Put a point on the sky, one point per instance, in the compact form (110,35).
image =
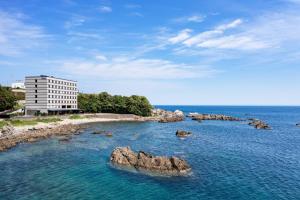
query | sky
(174,52)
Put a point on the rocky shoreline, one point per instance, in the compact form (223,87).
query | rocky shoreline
(145,162)
(11,140)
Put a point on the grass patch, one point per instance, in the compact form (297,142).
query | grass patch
(18,122)
(2,124)
(24,122)
(76,117)
(48,120)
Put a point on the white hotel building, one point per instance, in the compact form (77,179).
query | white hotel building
(50,95)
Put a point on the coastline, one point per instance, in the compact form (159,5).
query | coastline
(65,127)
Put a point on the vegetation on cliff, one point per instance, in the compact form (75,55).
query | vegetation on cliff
(106,103)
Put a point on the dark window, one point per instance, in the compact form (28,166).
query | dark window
(35,96)
(35,86)
(35,91)
(36,80)
(35,101)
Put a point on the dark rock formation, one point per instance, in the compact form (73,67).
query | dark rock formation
(298,124)
(200,117)
(258,124)
(145,162)
(168,116)
(180,133)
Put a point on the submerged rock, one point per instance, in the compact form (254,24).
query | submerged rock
(200,117)
(109,134)
(180,133)
(96,132)
(258,124)
(145,162)
(298,124)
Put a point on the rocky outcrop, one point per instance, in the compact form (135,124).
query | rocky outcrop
(164,116)
(7,131)
(200,117)
(258,124)
(180,133)
(298,124)
(145,162)
(35,134)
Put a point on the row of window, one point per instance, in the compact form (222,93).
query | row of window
(61,87)
(62,107)
(58,101)
(61,92)
(61,82)
(62,97)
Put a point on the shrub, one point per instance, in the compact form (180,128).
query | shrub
(7,99)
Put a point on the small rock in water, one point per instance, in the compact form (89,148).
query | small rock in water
(96,132)
(258,124)
(145,162)
(298,124)
(200,117)
(180,133)
(109,134)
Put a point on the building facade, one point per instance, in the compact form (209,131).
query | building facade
(47,94)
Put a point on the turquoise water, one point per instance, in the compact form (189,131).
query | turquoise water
(230,160)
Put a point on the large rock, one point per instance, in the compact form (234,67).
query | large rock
(200,117)
(164,116)
(145,162)
(258,124)
(298,124)
(180,133)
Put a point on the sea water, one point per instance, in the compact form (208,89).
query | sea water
(229,160)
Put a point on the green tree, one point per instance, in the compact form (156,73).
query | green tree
(7,99)
(106,103)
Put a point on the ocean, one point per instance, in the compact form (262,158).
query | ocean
(229,160)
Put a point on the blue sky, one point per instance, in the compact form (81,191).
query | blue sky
(188,52)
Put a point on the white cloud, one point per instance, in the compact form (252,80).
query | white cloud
(75,20)
(217,38)
(16,36)
(230,25)
(136,14)
(101,57)
(191,18)
(233,42)
(123,68)
(105,9)
(183,35)
(196,18)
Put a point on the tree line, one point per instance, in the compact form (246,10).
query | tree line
(106,103)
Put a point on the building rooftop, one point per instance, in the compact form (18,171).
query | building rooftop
(45,76)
